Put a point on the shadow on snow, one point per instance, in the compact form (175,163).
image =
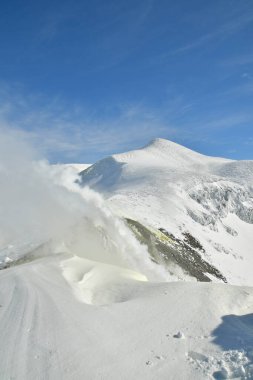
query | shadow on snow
(235,336)
(235,332)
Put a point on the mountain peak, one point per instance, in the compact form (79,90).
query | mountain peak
(160,140)
(172,149)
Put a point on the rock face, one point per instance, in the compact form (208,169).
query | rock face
(221,198)
(182,258)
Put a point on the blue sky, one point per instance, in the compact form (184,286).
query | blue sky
(84,79)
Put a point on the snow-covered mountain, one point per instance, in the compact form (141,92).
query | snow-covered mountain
(81,298)
(167,187)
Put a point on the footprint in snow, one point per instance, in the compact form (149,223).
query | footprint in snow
(197,356)
(157,357)
(179,335)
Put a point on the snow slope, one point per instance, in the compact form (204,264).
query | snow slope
(165,185)
(142,332)
(81,298)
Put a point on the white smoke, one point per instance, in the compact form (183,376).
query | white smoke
(38,206)
(32,209)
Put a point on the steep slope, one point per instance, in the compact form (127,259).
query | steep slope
(167,186)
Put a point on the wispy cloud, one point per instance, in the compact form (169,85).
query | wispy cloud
(241,90)
(108,30)
(236,20)
(73,134)
(55,20)
(240,60)
(229,121)
(65,133)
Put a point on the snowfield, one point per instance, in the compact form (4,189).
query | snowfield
(90,267)
(47,333)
